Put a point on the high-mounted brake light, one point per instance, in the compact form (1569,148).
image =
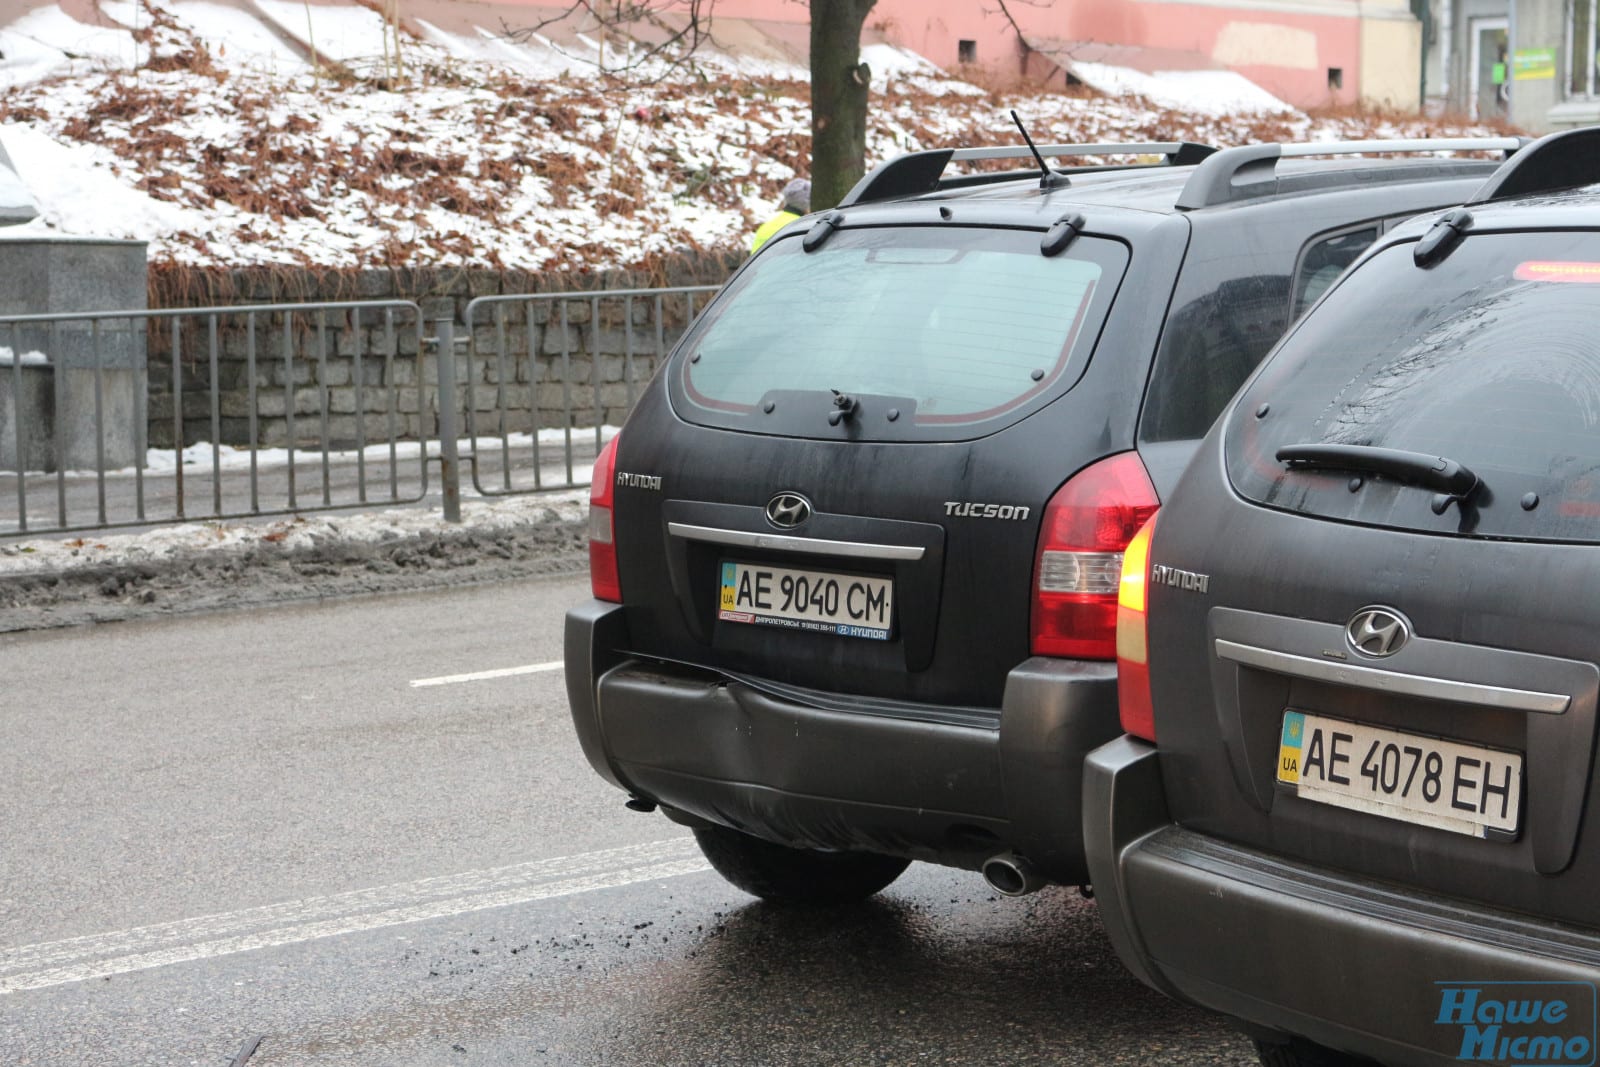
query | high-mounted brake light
(1087,525)
(603,580)
(1133,646)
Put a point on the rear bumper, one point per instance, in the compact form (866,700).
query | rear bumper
(1349,963)
(870,777)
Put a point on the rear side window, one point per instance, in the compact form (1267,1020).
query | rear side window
(1490,358)
(956,331)
(1324,261)
(1210,344)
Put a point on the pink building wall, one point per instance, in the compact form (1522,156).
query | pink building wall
(1236,37)
(934,27)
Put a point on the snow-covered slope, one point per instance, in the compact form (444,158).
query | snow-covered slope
(201,128)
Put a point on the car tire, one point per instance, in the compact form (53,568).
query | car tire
(1301,1053)
(795,875)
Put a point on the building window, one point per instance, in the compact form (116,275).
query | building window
(967,51)
(1335,79)
(1580,48)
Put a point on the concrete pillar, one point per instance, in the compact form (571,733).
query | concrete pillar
(27,412)
(52,274)
(1538,64)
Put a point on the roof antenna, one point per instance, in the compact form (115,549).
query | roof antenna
(1048,179)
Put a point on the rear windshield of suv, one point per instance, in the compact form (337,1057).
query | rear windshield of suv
(1490,358)
(955,330)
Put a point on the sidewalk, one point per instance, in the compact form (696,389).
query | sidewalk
(65,579)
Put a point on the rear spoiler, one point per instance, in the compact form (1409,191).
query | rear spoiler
(916,173)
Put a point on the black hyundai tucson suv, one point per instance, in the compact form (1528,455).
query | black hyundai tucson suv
(855,552)
(1359,650)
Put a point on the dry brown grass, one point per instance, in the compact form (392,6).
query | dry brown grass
(616,157)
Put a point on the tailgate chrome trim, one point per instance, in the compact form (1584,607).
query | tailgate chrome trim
(816,546)
(1412,685)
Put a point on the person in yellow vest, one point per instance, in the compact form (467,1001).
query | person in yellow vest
(796,202)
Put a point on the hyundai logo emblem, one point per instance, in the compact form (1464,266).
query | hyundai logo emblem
(1377,632)
(788,510)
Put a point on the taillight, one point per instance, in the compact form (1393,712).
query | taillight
(1133,647)
(603,580)
(1087,525)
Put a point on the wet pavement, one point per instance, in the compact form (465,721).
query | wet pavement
(249,837)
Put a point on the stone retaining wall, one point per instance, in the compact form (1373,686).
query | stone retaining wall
(351,377)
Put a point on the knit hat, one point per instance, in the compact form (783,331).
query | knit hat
(797,197)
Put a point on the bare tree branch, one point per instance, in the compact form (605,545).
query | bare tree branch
(1005,11)
(618,20)
(1022,41)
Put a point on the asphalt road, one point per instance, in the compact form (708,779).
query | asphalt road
(249,837)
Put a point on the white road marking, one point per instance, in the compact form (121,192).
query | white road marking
(77,959)
(477,676)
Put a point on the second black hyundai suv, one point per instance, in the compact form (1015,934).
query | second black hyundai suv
(855,553)
(1356,808)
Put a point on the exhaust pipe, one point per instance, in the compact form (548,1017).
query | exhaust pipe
(1011,875)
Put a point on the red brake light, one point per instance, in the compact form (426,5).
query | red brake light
(1133,650)
(603,580)
(1087,524)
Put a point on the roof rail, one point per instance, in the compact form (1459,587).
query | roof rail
(1556,161)
(1214,181)
(920,172)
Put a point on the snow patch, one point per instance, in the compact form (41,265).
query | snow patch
(1209,92)
(189,540)
(48,41)
(78,191)
(240,40)
(8,358)
(339,32)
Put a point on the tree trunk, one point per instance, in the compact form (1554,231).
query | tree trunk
(839,83)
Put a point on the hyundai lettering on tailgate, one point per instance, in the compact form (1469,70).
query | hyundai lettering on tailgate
(1467,789)
(843,604)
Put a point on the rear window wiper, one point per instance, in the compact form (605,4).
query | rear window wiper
(1446,477)
(844,406)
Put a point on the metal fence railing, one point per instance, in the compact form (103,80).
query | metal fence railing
(543,368)
(134,417)
(137,418)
